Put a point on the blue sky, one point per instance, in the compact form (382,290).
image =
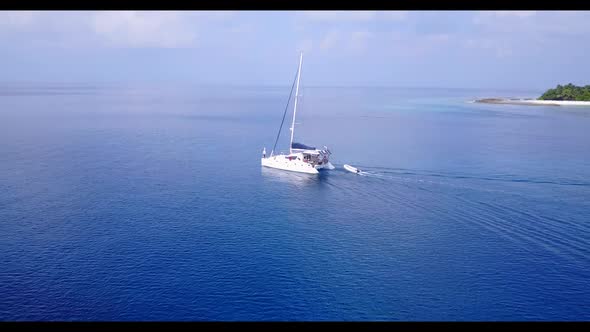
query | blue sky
(490,49)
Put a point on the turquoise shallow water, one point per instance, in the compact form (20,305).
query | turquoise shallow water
(149,203)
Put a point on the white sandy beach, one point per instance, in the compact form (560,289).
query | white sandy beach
(558,102)
(533,102)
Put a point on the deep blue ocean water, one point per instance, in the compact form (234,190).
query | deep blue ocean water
(149,203)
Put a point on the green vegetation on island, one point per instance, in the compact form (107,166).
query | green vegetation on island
(567,92)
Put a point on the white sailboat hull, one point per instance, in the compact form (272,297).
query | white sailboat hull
(281,162)
(294,165)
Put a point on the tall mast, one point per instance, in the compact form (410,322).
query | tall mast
(295,107)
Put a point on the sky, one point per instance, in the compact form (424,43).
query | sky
(459,49)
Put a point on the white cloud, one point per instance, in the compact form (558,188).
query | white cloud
(353,16)
(359,40)
(514,13)
(17,18)
(498,19)
(305,46)
(46,28)
(439,37)
(396,15)
(334,16)
(564,23)
(353,31)
(219,30)
(417,44)
(345,41)
(500,48)
(216,15)
(529,32)
(330,40)
(143,29)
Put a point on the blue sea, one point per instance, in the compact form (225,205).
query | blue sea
(148,203)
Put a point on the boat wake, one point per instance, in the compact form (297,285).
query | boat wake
(447,178)
(485,203)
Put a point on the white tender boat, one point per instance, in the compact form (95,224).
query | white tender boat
(301,158)
(352,169)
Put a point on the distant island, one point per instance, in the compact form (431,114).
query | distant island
(562,95)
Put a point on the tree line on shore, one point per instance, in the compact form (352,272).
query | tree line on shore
(567,92)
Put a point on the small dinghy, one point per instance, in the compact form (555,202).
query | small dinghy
(352,169)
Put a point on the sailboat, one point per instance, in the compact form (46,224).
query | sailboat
(301,158)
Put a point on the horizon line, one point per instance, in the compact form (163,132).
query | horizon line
(98,83)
